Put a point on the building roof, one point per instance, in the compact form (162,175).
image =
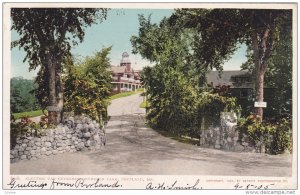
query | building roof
(118,69)
(224,77)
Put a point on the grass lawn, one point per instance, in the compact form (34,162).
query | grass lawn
(29,114)
(140,90)
(144,103)
(180,138)
(123,94)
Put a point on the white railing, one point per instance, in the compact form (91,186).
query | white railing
(131,80)
(124,79)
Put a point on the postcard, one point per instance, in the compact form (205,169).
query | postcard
(150,96)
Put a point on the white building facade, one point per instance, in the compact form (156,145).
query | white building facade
(124,77)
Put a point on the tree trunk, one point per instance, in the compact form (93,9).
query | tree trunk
(60,100)
(262,45)
(52,115)
(259,78)
(59,91)
(259,96)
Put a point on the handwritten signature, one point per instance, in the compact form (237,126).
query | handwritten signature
(78,184)
(173,186)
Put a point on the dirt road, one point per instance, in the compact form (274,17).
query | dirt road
(133,148)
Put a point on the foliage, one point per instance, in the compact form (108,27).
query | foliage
(177,101)
(29,114)
(46,35)
(220,31)
(22,98)
(172,101)
(167,45)
(177,106)
(209,107)
(193,41)
(222,90)
(168,84)
(25,127)
(156,42)
(279,70)
(145,104)
(51,27)
(276,137)
(214,104)
(87,86)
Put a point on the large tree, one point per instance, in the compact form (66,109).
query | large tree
(46,35)
(165,44)
(169,91)
(279,74)
(220,31)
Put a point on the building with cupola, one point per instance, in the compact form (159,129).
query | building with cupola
(125,78)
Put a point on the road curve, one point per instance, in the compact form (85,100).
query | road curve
(134,149)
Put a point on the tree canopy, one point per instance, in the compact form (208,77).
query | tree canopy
(195,41)
(46,35)
(279,74)
(221,30)
(168,46)
(43,29)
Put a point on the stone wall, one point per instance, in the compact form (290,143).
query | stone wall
(226,136)
(74,134)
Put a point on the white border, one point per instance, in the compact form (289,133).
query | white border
(291,182)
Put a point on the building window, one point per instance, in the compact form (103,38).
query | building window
(234,79)
(244,93)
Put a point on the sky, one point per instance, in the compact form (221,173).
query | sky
(115,31)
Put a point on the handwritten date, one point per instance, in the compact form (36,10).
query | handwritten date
(252,186)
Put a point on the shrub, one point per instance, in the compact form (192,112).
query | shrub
(87,86)
(276,137)
(25,127)
(172,103)
(213,104)
(175,105)
(283,136)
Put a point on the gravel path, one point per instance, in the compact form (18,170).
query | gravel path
(133,148)
(36,119)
